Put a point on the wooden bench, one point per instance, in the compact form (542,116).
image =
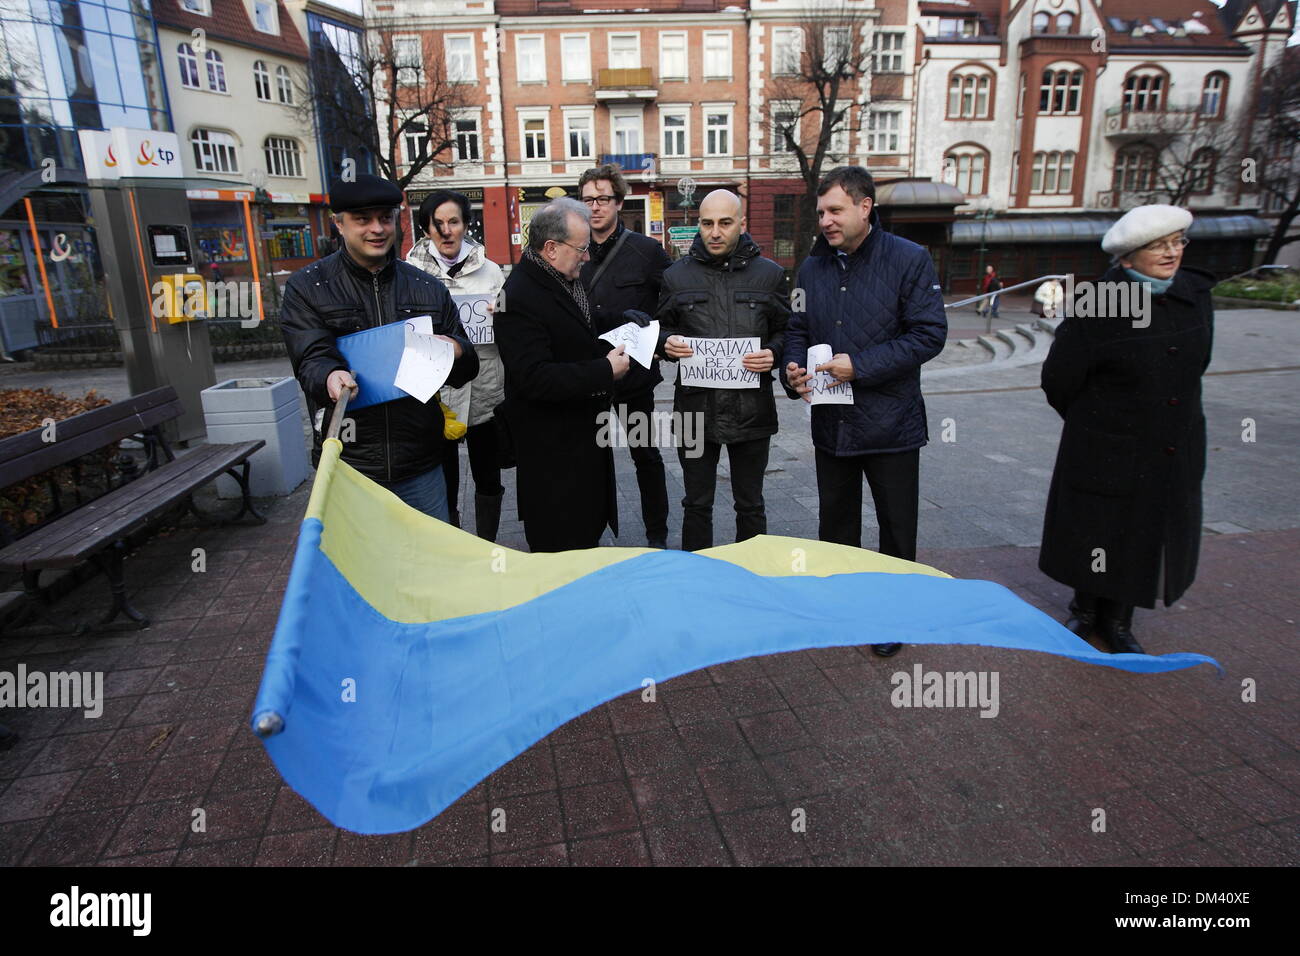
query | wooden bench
(97,530)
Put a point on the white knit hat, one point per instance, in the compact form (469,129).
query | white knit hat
(1144,224)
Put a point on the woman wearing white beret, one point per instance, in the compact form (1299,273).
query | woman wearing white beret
(1123,521)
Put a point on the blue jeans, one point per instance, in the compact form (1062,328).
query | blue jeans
(426,492)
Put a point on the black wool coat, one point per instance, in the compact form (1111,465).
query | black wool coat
(1132,454)
(631,280)
(558,382)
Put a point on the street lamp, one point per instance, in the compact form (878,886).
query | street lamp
(984,212)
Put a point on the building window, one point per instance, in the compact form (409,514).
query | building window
(216,71)
(837,53)
(717,56)
(968,94)
(283,157)
(459,51)
(1064,22)
(1020,97)
(261,81)
(626,132)
(1135,169)
(202,7)
(415,142)
(887,52)
(1052,173)
(1202,170)
(882,130)
(783,211)
(284,85)
(1061,92)
(265,17)
(406,57)
(672,56)
(530,54)
(785,116)
(1041,22)
(1015,175)
(958,27)
(717,133)
(465,129)
(534,138)
(674,134)
(837,150)
(967,169)
(214,152)
(625,51)
(1213,95)
(577,134)
(189,66)
(1144,92)
(575,57)
(787,50)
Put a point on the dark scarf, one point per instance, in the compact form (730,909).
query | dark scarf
(574,288)
(599,250)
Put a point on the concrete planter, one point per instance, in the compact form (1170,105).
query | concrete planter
(246,409)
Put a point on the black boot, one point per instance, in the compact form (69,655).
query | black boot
(487,515)
(1083,615)
(1115,622)
(886,650)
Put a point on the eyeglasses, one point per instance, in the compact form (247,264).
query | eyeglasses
(1171,245)
(598,200)
(582,250)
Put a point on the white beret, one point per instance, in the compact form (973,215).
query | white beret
(1141,225)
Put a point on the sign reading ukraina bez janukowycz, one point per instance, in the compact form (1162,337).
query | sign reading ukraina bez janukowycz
(718,363)
(476,317)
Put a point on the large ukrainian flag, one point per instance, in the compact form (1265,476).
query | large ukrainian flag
(412,659)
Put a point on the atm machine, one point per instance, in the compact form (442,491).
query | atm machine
(150,256)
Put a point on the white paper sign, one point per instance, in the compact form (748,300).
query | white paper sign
(717,363)
(426,360)
(825,389)
(638,343)
(476,317)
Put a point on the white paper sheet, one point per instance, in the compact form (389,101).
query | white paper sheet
(825,390)
(476,317)
(638,343)
(718,363)
(426,360)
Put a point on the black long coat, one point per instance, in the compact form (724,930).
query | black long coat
(558,381)
(1132,453)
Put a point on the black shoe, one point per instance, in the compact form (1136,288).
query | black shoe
(487,515)
(886,650)
(1115,623)
(1083,615)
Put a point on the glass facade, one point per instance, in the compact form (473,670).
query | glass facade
(342,103)
(92,64)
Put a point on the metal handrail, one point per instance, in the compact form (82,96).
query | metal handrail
(1011,288)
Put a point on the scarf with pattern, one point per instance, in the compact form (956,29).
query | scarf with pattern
(574,288)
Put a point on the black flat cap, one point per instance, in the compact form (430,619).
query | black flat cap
(365,192)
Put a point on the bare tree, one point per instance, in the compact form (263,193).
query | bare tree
(1270,145)
(812,106)
(1187,155)
(390,99)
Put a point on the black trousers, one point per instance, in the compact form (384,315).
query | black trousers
(481,441)
(700,476)
(649,467)
(894,479)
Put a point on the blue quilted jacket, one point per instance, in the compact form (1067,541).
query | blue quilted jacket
(883,307)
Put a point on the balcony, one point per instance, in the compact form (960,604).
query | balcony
(1058,44)
(626,86)
(1123,124)
(631,162)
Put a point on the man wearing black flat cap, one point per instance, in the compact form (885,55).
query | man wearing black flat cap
(362,286)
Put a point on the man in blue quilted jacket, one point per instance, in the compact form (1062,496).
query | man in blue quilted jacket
(874,298)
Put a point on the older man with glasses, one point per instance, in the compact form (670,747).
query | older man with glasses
(559,378)
(1123,522)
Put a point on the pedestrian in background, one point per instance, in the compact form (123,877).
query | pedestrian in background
(624,274)
(990,283)
(464,268)
(1123,522)
(1049,298)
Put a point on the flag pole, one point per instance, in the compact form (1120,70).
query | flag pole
(336,420)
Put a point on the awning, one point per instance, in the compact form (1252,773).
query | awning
(1055,229)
